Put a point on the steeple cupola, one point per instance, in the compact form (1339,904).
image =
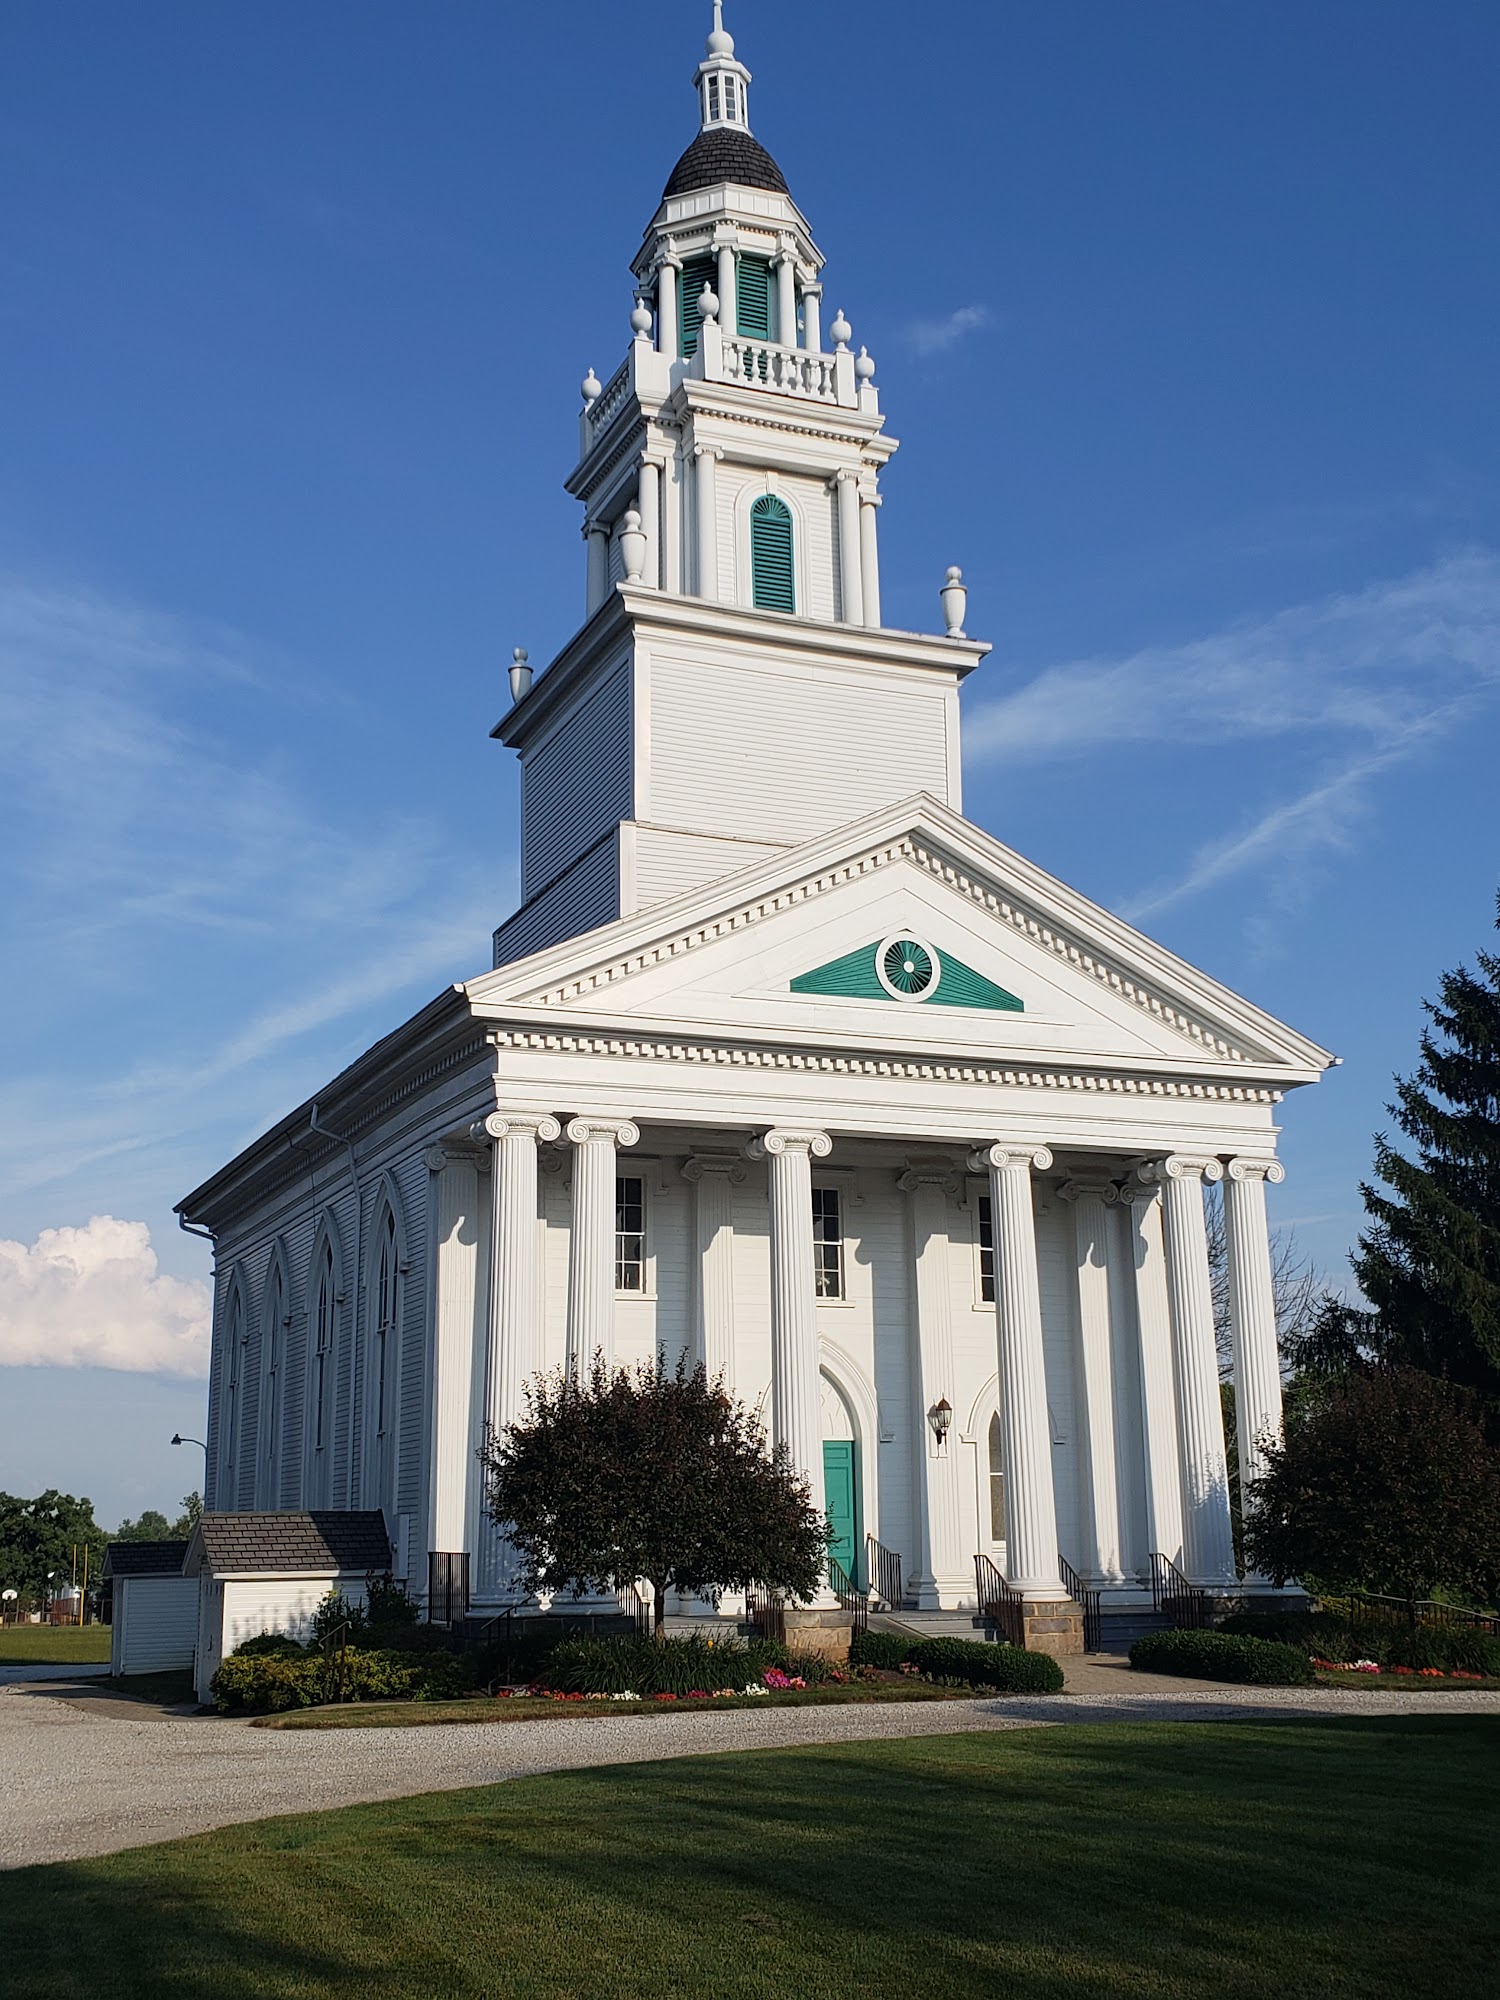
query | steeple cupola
(723,83)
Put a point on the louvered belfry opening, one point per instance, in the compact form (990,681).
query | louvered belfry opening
(696,273)
(753,307)
(773,584)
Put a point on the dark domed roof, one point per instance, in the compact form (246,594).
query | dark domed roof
(724,154)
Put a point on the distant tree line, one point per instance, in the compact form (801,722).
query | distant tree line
(42,1540)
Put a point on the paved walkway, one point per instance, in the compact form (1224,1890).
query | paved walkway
(86,1772)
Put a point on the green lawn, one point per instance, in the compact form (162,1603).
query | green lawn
(536,1708)
(1349,1858)
(59,1645)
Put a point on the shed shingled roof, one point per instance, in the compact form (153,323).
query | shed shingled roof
(320,1541)
(144,1558)
(724,154)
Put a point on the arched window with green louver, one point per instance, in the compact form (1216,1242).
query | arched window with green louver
(696,273)
(773,584)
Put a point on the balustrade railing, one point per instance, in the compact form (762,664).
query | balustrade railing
(1187,1607)
(851,1598)
(886,1581)
(789,371)
(1086,1597)
(1000,1605)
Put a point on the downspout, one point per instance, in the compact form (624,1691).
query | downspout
(356,1429)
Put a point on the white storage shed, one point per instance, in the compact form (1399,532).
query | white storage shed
(154,1624)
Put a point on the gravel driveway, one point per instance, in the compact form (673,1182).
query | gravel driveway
(87,1773)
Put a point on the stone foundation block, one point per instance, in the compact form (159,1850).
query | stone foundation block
(1053,1625)
(825,1632)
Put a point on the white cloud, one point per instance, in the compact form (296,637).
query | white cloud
(936,336)
(95,1298)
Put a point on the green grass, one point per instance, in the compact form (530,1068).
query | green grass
(1352,1859)
(526,1708)
(53,1645)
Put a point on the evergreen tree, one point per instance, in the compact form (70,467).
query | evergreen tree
(1430,1263)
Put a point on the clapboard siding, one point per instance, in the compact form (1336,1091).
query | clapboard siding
(806,761)
(577,783)
(667,863)
(586,896)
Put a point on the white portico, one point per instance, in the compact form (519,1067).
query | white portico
(781,1064)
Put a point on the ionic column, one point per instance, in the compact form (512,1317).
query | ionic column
(650,510)
(1153,1315)
(456,1193)
(796,1401)
(729,299)
(705,459)
(941,1575)
(596,535)
(515,1316)
(851,585)
(668,335)
(1091,1199)
(714,1178)
(591,1244)
(1208,1539)
(1252,1312)
(786,299)
(812,318)
(869,556)
(1030,1510)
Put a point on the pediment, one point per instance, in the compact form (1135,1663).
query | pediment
(792,949)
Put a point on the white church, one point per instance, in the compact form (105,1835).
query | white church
(782,1063)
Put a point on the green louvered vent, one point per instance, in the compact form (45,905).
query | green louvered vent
(696,273)
(773,584)
(754,305)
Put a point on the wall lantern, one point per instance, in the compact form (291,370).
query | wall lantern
(940,1416)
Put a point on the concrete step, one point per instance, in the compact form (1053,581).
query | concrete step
(1118,1629)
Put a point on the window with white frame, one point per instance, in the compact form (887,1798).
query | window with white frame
(986,1250)
(630,1233)
(234,1359)
(387,1324)
(272,1337)
(828,1242)
(325,1326)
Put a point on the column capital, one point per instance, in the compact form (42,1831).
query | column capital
(435,1159)
(707,1166)
(1179,1167)
(713,451)
(847,475)
(1256,1170)
(589,1131)
(1001,1159)
(513,1125)
(940,1174)
(788,1139)
(1087,1187)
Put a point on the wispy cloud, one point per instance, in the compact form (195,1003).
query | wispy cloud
(936,336)
(1368,680)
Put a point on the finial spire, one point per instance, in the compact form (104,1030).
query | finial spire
(723,80)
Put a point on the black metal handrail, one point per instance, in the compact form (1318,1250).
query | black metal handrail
(999,1604)
(850,1597)
(1086,1597)
(765,1612)
(645,1613)
(886,1582)
(335,1646)
(1380,1607)
(1188,1607)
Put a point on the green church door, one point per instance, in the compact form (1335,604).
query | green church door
(841,1497)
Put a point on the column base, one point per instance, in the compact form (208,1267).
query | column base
(811,1630)
(1052,1625)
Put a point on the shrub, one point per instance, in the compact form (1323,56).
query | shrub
(1445,1646)
(388,1603)
(267,1644)
(980,1664)
(1223,1656)
(879,1649)
(1325,1635)
(648,1666)
(336,1610)
(266,1683)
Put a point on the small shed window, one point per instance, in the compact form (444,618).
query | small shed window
(696,273)
(773,585)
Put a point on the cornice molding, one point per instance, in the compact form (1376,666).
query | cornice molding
(741,1055)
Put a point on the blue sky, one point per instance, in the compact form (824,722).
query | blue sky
(1185,316)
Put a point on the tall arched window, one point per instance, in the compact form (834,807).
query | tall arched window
(273,1356)
(773,584)
(321,1377)
(997,1481)
(226,1493)
(385,1350)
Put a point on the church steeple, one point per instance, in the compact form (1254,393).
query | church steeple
(723,83)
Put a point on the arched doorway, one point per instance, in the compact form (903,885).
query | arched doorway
(841,1481)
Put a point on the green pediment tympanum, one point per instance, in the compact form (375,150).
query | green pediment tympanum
(906,968)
